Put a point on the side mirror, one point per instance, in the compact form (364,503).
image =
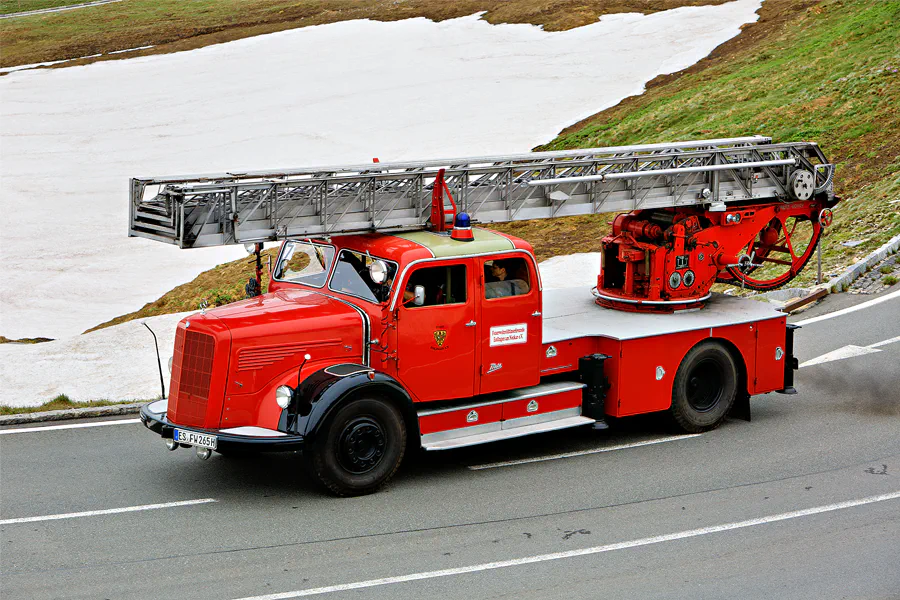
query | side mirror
(419,292)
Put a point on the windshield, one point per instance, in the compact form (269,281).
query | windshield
(352,276)
(304,262)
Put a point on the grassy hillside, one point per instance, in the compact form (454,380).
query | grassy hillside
(827,72)
(173,25)
(220,285)
(824,71)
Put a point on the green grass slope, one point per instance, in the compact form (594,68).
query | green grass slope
(828,72)
(823,71)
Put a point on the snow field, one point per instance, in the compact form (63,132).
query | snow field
(72,137)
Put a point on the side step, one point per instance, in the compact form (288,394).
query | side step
(536,409)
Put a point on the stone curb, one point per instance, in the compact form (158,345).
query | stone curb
(851,274)
(842,281)
(71,413)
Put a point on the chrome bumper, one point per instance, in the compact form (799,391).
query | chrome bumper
(258,439)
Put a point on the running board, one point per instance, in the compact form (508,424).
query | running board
(492,432)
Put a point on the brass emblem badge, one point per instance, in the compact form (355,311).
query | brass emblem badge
(439,337)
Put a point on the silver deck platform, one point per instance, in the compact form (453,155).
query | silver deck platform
(572,313)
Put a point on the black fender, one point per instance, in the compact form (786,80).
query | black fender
(317,397)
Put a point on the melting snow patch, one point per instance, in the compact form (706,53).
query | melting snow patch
(338,93)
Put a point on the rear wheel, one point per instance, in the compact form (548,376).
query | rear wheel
(704,388)
(360,449)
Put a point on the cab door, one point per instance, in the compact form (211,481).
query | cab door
(436,344)
(510,323)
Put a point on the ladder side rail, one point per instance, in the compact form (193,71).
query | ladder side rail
(200,185)
(528,156)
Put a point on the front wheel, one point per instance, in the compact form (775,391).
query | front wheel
(704,388)
(360,449)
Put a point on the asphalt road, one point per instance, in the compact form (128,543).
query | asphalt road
(802,502)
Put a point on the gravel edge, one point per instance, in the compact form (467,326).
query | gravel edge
(72,413)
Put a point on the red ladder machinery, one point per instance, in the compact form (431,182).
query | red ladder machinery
(744,211)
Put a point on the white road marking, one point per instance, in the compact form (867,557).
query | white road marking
(850,309)
(840,354)
(70,426)
(848,351)
(107,511)
(525,461)
(527,560)
(885,342)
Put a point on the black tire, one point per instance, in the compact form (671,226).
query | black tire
(705,387)
(360,448)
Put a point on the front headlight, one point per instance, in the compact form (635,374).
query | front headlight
(170,364)
(283,396)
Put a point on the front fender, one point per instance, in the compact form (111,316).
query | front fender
(319,395)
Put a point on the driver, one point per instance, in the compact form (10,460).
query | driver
(500,285)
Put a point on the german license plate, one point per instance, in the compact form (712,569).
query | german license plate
(192,438)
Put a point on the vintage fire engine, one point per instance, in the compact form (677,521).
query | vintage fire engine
(392,323)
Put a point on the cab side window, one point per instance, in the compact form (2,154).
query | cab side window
(443,285)
(351,276)
(504,277)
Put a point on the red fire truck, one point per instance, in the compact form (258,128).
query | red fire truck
(392,323)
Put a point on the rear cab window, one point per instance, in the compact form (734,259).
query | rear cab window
(506,277)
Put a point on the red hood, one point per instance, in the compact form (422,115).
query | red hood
(271,333)
(284,307)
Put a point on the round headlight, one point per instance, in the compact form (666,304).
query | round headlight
(378,271)
(170,364)
(283,396)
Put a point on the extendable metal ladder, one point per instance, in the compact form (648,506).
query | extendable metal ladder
(234,208)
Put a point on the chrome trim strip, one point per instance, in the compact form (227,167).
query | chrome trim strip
(252,431)
(366,346)
(557,388)
(159,407)
(452,434)
(366,370)
(506,434)
(553,415)
(597,294)
(540,287)
(568,366)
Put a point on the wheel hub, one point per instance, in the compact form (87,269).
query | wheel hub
(362,445)
(704,385)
